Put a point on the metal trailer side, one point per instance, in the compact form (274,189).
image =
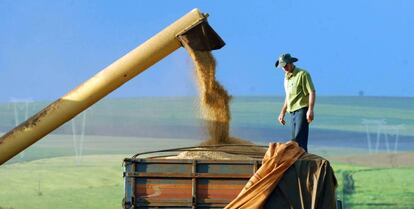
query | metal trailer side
(176,183)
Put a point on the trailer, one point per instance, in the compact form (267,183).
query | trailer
(159,182)
(152,180)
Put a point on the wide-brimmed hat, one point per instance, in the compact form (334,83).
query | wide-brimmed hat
(285,59)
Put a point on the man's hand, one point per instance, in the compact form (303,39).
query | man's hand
(309,115)
(282,118)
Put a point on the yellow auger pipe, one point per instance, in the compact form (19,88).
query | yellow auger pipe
(104,82)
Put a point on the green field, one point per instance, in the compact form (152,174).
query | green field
(61,183)
(379,188)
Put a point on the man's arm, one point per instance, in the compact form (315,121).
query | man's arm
(283,112)
(309,114)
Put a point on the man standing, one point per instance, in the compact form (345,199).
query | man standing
(299,99)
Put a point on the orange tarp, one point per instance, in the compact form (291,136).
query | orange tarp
(278,158)
(309,183)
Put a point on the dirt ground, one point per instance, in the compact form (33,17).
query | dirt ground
(380,160)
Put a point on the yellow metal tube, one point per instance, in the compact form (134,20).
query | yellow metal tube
(94,89)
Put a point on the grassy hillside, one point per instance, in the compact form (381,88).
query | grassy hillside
(119,116)
(333,113)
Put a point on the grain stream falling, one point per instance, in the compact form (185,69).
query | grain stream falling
(214,99)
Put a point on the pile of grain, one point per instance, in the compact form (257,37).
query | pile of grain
(209,155)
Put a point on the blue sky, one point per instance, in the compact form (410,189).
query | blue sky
(49,47)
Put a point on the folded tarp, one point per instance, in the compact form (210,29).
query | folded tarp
(289,179)
(278,158)
(309,183)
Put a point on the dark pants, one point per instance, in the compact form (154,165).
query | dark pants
(300,127)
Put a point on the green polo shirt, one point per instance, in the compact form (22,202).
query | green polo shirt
(298,84)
